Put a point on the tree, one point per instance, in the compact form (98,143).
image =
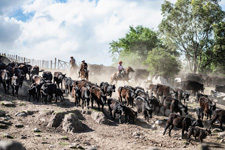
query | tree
(188,25)
(213,60)
(162,63)
(219,46)
(135,45)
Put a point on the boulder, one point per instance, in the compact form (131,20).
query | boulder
(11,145)
(56,119)
(36,130)
(72,124)
(8,104)
(21,114)
(99,117)
(78,114)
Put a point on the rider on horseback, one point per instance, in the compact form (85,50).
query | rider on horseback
(83,67)
(72,63)
(120,68)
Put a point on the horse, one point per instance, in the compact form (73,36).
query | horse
(84,74)
(125,76)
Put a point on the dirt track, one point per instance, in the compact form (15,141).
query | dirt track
(105,137)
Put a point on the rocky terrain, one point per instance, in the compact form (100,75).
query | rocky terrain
(62,126)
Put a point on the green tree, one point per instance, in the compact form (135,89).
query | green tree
(219,46)
(135,45)
(188,25)
(162,63)
(213,60)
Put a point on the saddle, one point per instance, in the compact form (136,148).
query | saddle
(121,74)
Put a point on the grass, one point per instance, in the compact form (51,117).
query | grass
(8,136)
(63,143)
(2,110)
(58,112)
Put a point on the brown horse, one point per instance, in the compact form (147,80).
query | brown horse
(84,74)
(125,77)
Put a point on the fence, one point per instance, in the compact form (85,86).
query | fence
(52,64)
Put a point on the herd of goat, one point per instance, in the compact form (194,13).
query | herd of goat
(48,86)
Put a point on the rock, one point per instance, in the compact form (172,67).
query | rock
(6,118)
(222,141)
(216,130)
(136,134)
(37,135)
(99,117)
(56,119)
(2,113)
(74,145)
(203,147)
(44,142)
(51,146)
(8,104)
(21,114)
(8,136)
(65,138)
(3,126)
(153,127)
(29,112)
(86,143)
(159,122)
(36,130)
(221,134)
(6,122)
(72,124)
(23,137)
(19,125)
(11,145)
(78,114)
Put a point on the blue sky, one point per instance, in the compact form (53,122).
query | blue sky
(45,29)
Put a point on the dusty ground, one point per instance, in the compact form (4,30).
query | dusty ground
(104,137)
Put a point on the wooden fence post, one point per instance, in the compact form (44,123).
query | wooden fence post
(55,62)
(51,64)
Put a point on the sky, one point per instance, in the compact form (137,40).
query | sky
(48,29)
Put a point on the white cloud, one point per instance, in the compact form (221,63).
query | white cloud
(80,27)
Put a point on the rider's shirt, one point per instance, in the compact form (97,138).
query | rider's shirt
(120,67)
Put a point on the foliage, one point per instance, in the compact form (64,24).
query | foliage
(219,46)
(213,60)
(188,25)
(162,63)
(135,45)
